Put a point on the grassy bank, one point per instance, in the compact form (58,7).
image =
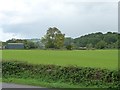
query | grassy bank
(42,83)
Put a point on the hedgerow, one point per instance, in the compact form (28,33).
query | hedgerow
(86,76)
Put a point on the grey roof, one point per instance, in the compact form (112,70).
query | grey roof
(16,43)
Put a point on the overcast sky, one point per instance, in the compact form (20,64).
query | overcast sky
(32,18)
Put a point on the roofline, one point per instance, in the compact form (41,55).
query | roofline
(15,43)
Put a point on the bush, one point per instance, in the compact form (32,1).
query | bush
(69,47)
(72,74)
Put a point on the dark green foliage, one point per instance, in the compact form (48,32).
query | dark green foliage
(30,45)
(69,47)
(72,74)
(99,40)
(101,45)
(69,43)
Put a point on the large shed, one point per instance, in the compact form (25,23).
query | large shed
(15,46)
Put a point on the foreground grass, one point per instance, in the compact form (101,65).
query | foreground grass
(44,84)
(39,83)
(83,58)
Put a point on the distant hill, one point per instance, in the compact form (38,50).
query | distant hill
(99,40)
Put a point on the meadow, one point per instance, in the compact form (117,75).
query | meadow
(83,58)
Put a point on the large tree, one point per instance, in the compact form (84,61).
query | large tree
(53,38)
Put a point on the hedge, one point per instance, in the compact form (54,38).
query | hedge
(52,73)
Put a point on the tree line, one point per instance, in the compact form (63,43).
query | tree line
(109,40)
(55,39)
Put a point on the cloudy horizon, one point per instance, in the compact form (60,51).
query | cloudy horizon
(32,18)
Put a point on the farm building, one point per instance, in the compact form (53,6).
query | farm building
(15,46)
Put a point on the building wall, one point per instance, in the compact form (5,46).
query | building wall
(15,46)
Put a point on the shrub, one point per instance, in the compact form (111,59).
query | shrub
(69,47)
(52,73)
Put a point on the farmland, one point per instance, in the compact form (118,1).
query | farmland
(82,58)
(66,69)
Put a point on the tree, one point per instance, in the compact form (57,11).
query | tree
(53,38)
(69,47)
(101,45)
(68,41)
(30,45)
(89,46)
(110,39)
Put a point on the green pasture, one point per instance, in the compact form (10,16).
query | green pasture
(83,58)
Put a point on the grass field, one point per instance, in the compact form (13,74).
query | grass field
(83,58)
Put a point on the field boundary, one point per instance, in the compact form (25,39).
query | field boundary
(86,76)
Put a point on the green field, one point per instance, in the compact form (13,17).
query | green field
(83,58)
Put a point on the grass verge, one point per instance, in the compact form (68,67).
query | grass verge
(42,84)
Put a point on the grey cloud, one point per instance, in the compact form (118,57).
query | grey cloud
(88,17)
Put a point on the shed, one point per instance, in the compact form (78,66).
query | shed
(15,46)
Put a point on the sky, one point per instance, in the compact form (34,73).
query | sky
(22,19)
